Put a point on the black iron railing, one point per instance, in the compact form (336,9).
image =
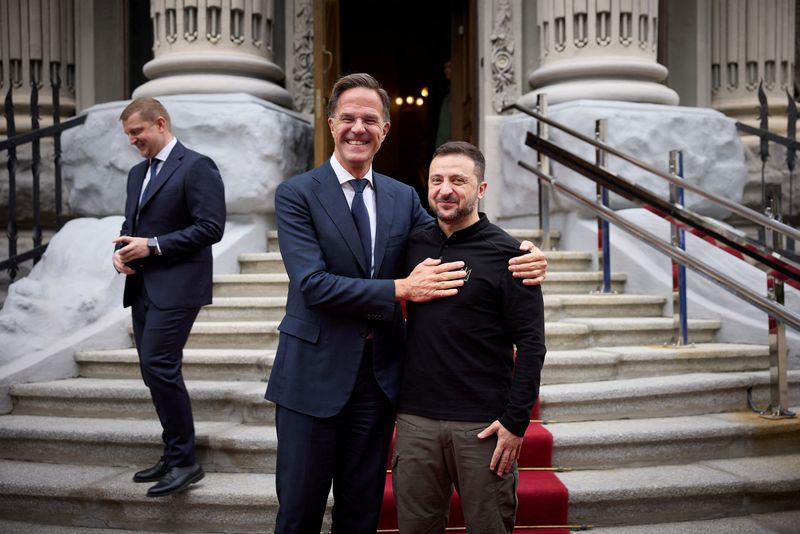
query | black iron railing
(771,204)
(10,145)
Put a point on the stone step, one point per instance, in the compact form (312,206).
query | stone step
(568,260)
(198,364)
(261,263)
(568,334)
(576,283)
(272,262)
(221,446)
(19,527)
(602,305)
(556,307)
(698,491)
(563,335)
(233,335)
(613,363)
(685,439)
(772,523)
(99,496)
(277,284)
(575,333)
(244,309)
(251,285)
(520,234)
(121,398)
(659,396)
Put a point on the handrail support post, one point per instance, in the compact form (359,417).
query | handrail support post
(603,228)
(544,166)
(679,304)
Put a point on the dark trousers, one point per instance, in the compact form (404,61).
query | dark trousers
(160,336)
(349,449)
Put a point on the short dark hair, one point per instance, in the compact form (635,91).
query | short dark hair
(351,81)
(148,107)
(465,149)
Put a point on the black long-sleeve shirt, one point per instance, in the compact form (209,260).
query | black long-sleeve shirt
(460,362)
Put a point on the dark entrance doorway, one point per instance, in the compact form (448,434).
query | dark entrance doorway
(405,45)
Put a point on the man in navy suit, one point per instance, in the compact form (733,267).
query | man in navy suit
(342,231)
(174,212)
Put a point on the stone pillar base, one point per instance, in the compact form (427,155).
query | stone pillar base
(215,83)
(622,90)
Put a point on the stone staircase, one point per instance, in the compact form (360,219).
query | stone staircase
(658,438)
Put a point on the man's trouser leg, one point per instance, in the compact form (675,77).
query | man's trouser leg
(160,337)
(349,449)
(431,455)
(489,502)
(421,480)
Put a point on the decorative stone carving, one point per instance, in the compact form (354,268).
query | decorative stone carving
(601,49)
(303,50)
(213,46)
(504,78)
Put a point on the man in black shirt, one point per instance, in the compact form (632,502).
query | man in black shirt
(465,400)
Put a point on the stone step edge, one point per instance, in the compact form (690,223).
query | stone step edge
(739,485)
(588,356)
(768,523)
(578,392)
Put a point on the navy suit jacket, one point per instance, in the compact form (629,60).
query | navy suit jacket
(333,304)
(184,206)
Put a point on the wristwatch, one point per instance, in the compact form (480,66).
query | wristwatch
(152,244)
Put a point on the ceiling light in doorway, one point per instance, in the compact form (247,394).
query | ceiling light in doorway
(399,100)
(424,92)
(420,101)
(409,99)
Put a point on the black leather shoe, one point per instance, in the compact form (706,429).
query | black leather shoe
(176,479)
(151,474)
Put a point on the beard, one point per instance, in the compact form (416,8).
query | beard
(461,212)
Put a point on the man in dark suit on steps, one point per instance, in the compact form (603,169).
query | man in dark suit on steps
(174,212)
(342,230)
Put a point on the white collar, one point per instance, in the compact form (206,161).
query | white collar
(164,153)
(344,176)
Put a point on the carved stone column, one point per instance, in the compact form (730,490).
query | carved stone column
(213,46)
(300,62)
(752,41)
(602,49)
(37,47)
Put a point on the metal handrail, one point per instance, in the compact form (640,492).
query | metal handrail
(635,193)
(673,252)
(735,207)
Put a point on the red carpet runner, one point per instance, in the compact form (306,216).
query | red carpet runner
(542,497)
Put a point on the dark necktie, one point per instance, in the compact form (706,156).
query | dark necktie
(361,218)
(153,167)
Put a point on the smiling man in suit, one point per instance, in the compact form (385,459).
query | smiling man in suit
(174,212)
(342,230)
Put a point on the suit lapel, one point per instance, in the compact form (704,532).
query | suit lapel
(168,168)
(135,188)
(330,195)
(384,213)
